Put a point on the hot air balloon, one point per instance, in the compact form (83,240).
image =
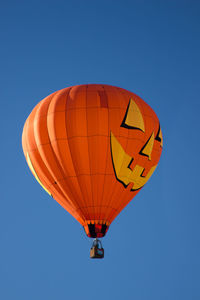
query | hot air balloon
(92,148)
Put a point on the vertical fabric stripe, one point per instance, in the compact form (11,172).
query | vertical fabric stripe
(103,99)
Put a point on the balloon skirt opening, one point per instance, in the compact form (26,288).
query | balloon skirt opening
(96,230)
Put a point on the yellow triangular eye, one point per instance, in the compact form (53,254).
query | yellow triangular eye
(133,118)
(148,147)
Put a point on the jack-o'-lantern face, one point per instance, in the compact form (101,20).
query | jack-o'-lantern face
(133,165)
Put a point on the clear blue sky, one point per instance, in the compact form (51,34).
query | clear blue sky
(152,250)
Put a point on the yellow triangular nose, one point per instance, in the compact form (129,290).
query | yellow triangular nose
(147,149)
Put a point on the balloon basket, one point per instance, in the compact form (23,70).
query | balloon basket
(96,250)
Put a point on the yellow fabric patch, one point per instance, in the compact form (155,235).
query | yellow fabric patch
(34,173)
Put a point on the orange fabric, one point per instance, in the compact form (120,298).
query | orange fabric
(68,139)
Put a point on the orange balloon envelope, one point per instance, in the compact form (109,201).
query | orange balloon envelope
(92,148)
